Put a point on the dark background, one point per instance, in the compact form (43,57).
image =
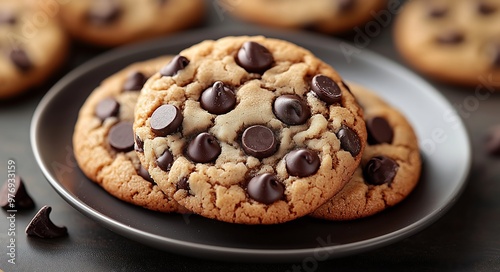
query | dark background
(467,238)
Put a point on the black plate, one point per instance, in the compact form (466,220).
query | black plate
(446,163)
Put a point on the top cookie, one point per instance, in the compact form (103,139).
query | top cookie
(249,130)
(456,41)
(116,22)
(329,16)
(32,46)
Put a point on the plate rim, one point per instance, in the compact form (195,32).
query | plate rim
(213,251)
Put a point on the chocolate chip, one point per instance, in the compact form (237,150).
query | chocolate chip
(493,141)
(218,99)
(486,9)
(174,66)
(165,120)
(379,131)
(42,226)
(326,89)
(165,161)
(145,174)
(7,17)
(135,81)
(121,137)
(436,11)
(183,184)
(302,162)
(13,195)
(380,170)
(291,110)
(139,144)
(162,2)
(346,5)
(203,148)
(108,107)
(450,37)
(104,12)
(254,58)
(349,140)
(265,188)
(20,59)
(259,141)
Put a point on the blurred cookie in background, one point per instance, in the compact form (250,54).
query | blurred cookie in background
(116,22)
(454,41)
(32,46)
(328,16)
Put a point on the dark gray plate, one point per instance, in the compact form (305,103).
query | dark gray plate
(444,140)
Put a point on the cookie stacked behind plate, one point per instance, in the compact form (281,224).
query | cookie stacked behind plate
(249,130)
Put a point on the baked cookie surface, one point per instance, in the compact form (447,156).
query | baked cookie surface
(329,16)
(455,41)
(390,167)
(31,51)
(249,130)
(103,139)
(117,22)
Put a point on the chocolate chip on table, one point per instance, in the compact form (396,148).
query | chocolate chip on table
(139,144)
(103,12)
(145,174)
(165,161)
(121,137)
(183,184)
(265,188)
(379,131)
(492,142)
(326,89)
(291,110)
(41,225)
(259,141)
(486,9)
(302,162)
(165,120)
(380,170)
(108,107)
(349,140)
(204,148)
(7,17)
(135,81)
(450,37)
(15,191)
(218,99)
(254,57)
(20,59)
(174,66)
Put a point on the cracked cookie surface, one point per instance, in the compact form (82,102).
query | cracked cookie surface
(103,139)
(390,167)
(249,130)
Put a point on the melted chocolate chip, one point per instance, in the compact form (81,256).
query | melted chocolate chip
(380,170)
(203,148)
(20,59)
(254,58)
(450,37)
(302,162)
(259,141)
(17,191)
(218,99)
(165,120)
(379,131)
(326,89)
(135,81)
(41,225)
(486,9)
(145,174)
(291,110)
(493,141)
(7,17)
(139,144)
(265,188)
(165,161)
(174,66)
(104,12)
(121,137)
(349,140)
(108,107)
(183,184)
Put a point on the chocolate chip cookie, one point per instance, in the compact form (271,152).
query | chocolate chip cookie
(452,41)
(117,22)
(32,46)
(249,130)
(103,139)
(329,16)
(390,167)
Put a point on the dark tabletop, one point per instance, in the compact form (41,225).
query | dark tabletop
(466,238)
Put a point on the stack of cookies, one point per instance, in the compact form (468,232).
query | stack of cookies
(247,130)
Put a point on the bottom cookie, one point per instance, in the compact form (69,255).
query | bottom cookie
(390,166)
